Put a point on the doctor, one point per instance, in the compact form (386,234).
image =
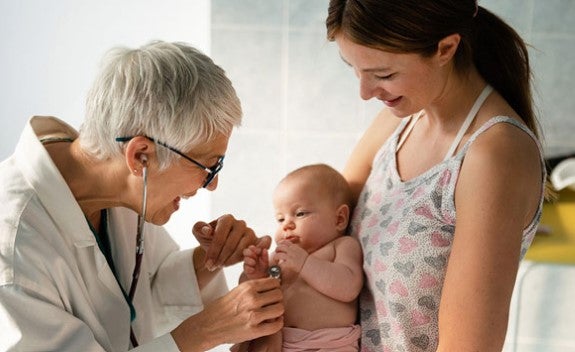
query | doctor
(84,262)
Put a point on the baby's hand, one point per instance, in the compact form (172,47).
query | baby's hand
(256,262)
(290,257)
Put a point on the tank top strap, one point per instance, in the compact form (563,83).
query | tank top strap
(410,124)
(499,119)
(468,120)
(506,119)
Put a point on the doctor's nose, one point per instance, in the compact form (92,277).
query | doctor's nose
(213,184)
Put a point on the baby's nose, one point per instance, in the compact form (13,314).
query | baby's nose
(288,224)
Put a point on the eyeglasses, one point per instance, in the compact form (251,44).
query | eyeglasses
(212,171)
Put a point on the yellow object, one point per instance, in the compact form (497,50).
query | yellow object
(558,246)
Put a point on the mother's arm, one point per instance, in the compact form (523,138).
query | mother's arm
(496,197)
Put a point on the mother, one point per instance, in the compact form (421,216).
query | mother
(74,210)
(449,195)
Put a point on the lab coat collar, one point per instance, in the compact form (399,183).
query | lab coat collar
(43,175)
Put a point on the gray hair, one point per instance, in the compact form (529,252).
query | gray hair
(171,92)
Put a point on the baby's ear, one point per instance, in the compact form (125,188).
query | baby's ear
(342,217)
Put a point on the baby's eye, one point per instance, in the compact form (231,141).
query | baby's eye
(299,214)
(280,220)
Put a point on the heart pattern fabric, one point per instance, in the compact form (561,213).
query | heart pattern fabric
(406,230)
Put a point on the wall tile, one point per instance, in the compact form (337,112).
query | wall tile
(517,13)
(253,167)
(322,90)
(310,148)
(308,14)
(252,61)
(554,67)
(555,17)
(253,13)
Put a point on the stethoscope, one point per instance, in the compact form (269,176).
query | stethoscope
(274,271)
(139,242)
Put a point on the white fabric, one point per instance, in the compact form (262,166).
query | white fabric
(57,292)
(466,123)
(468,120)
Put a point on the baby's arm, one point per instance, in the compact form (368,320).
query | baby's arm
(341,279)
(256,264)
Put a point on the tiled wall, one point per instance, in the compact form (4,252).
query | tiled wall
(301,105)
(300,101)
(549,28)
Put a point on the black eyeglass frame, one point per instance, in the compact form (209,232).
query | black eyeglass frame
(212,171)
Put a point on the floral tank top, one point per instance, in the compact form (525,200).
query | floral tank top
(406,231)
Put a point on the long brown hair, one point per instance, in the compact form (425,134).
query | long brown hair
(417,26)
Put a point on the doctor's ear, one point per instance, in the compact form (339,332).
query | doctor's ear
(143,164)
(137,154)
(139,163)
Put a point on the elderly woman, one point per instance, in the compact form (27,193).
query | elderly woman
(75,271)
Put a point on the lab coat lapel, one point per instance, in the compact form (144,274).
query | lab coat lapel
(104,293)
(101,287)
(114,311)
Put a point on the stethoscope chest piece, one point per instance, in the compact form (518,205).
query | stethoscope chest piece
(275,271)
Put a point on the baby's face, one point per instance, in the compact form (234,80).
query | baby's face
(304,215)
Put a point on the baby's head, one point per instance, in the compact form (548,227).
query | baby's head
(312,206)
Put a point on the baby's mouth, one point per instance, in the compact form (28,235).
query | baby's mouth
(292,238)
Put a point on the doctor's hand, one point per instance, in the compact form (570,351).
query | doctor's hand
(251,310)
(224,240)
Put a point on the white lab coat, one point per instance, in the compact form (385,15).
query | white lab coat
(57,292)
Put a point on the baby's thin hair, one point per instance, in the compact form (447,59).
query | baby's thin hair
(326,178)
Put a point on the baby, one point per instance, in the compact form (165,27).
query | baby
(321,267)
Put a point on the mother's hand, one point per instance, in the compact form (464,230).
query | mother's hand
(224,240)
(251,310)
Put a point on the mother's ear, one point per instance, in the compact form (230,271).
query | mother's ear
(447,47)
